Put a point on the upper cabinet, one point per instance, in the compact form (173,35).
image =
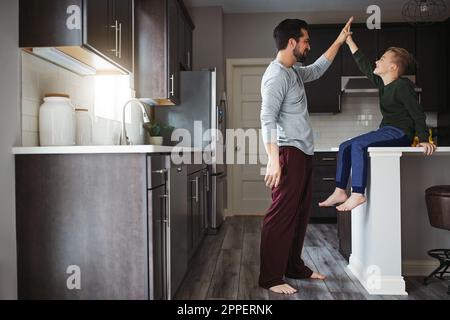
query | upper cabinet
(321,39)
(83,29)
(431,59)
(109,29)
(398,35)
(367,41)
(161,54)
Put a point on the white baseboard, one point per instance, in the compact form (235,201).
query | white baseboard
(418,267)
(377,284)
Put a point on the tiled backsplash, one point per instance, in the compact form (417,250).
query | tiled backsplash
(40,77)
(360,114)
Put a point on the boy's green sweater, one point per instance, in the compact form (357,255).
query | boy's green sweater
(398,102)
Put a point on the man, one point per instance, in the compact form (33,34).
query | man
(288,140)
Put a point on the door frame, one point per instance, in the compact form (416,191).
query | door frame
(231,66)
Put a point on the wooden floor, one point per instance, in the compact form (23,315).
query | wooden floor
(227,267)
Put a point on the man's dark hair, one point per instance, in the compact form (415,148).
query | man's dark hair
(287,29)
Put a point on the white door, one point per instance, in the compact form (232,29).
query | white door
(250,196)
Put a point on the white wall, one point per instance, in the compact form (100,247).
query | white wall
(9,136)
(207,41)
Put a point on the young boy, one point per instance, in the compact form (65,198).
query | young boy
(402,118)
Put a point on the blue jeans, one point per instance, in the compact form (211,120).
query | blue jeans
(353,155)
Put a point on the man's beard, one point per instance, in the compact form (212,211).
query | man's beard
(301,57)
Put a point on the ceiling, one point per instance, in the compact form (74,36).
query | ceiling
(241,6)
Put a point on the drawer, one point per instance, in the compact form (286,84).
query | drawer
(324,178)
(156,171)
(325,159)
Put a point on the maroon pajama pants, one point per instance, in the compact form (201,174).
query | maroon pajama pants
(285,223)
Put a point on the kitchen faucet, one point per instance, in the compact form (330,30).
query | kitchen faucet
(123,135)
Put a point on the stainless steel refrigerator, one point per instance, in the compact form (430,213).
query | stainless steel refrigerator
(199,103)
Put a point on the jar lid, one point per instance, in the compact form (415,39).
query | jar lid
(58,95)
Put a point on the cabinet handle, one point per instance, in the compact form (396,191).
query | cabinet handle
(196,188)
(327,179)
(120,41)
(172,90)
(189,59)
(328,159)
(162,171)
(165,216)
(206,174)
(116,27)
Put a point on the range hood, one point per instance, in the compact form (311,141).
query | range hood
(360,84)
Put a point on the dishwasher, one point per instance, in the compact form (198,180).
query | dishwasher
(168,252)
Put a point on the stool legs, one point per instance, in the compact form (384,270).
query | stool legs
(443,255)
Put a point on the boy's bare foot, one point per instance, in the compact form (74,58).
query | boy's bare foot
(317,276)
(283,288)
(355,200)
(338,196)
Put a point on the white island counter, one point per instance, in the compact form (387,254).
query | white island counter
(391,233)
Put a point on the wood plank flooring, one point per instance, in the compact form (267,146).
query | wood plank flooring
(226,266)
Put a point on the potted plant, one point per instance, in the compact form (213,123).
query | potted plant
(156,131)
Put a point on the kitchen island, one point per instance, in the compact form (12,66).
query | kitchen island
(390,232)
(101,222)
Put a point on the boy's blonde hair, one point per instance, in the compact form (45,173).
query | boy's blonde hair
(402,58)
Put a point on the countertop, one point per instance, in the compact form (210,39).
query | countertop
(116,149)
(384,151)
(102,149)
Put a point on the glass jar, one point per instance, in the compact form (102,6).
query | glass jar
(56,121)
(83,127)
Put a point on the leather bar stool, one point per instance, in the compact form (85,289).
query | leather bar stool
(438,206)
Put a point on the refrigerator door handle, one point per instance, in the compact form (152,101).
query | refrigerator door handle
(206,175)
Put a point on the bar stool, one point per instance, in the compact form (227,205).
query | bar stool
(438,206)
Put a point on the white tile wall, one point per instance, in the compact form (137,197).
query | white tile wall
(40,77)
(360,114)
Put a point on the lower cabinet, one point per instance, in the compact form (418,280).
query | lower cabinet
(100,226)
(324,173)
(198,188)
(344,224)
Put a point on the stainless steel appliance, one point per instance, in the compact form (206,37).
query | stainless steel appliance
(168,250)
(199,103)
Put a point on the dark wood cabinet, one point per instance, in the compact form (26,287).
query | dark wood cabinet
(100,226)
(82,231)
(324,172)
(173,17)
(398,35)
(344,224)
(318,102)
(431,60)
(185,28)
(161,54)
(444,113)
(81,29)
(122,16)
(45,23)
(367,41)
(197,205)
(99,37)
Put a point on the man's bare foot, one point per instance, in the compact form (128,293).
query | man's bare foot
(338,196)
(283,288)
(355,200)
(317,276)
